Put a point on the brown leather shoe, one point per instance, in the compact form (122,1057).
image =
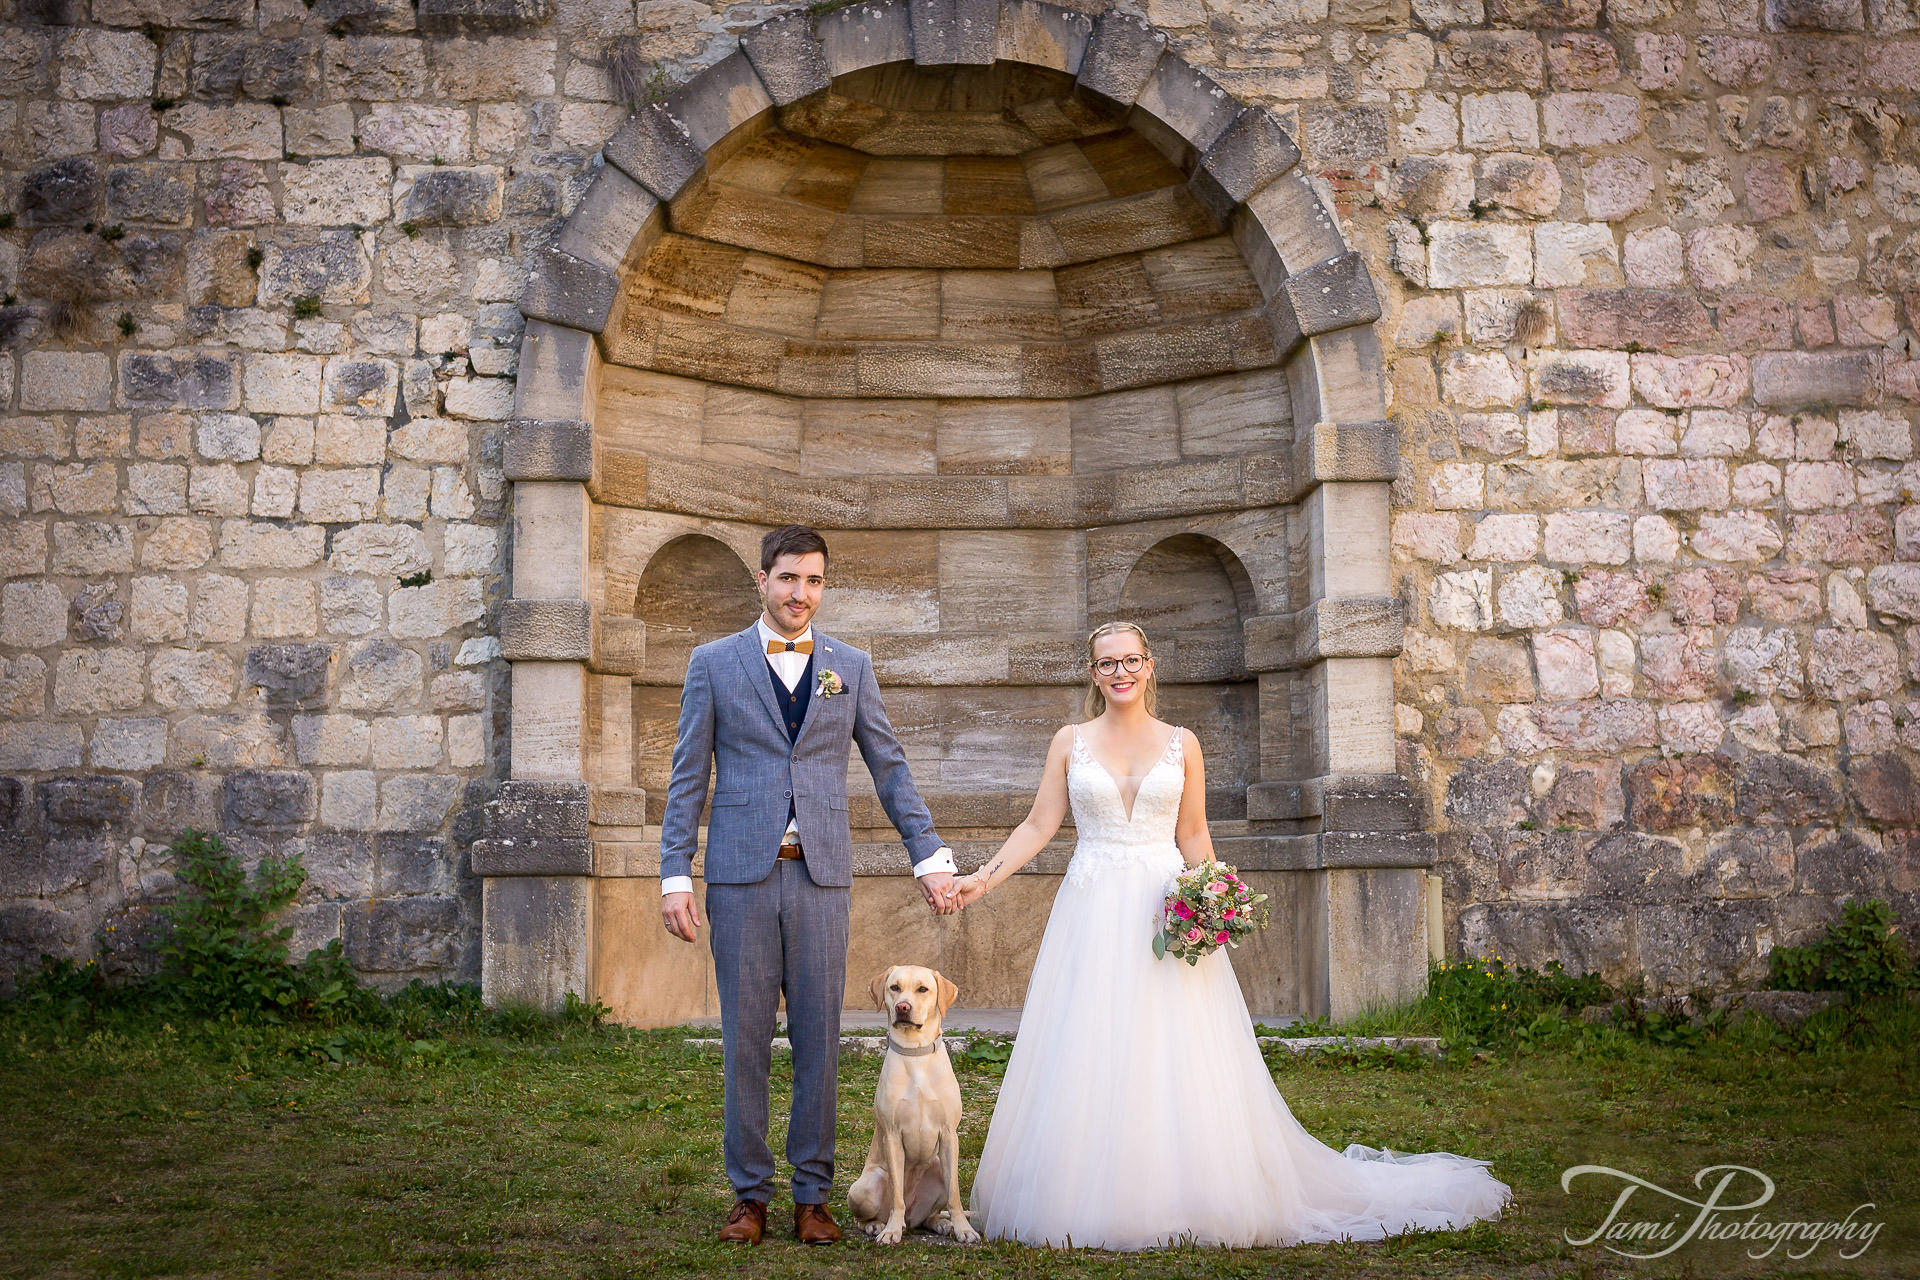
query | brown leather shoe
(746,1224)
(812,1224)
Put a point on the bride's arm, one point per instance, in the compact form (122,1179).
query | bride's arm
(1190,829)
(1031,836)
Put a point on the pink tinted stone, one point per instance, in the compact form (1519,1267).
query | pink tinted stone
(1678,664)
(1690,728)
(1563,659)
(1841,537)
(1704,597)
(1815,322)
(1589,537)
(1507,539)
(1756,320)
(1815,485)
(1659,60)
(1685,484)
(129,130)
(1647,432)
(1618,187)
(1736,536)
(1864,322)
(1681,382)
(1609,599)
(1735,61)
(1755,484)
(1772,189)
(1423,536)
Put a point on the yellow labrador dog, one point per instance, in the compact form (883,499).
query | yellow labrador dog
(912,1172)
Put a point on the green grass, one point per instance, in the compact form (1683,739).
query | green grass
(137,1147)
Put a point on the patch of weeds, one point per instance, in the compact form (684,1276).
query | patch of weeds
(255,256)
(306,307)
(419,579)
(1861,954)
(412,229)
(127,325)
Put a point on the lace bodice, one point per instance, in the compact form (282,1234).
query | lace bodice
(1109,836)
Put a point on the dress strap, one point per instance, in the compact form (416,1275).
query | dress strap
(1177,746)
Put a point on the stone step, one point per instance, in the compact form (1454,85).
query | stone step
(1296,1045)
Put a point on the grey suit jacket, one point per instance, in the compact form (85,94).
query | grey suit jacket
(730,720)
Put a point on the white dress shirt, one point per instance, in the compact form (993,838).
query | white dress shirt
(789,665)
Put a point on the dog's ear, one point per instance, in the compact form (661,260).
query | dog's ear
(948,992)
(877,988)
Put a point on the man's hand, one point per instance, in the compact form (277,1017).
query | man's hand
(682,917)
(937,888)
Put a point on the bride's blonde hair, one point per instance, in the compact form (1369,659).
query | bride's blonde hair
(1095,702)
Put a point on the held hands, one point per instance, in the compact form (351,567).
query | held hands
(971,888)
(937,887)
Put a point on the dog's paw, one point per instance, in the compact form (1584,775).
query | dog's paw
(890,1233)
(965,1234)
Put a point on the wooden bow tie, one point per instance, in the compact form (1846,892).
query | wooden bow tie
(790,646)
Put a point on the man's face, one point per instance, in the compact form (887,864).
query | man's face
(791,591)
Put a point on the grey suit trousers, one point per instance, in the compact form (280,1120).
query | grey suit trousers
(783,934)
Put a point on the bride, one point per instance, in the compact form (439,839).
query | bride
(1137,1109)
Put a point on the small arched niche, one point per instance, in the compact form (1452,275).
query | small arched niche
(1192,595)
(694,589)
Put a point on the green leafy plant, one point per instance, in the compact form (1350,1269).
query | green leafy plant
(113,231)
(222,951)
(306,307)
(1489,1002)
(412,229)
(419,579)
(127,325)
(1861,954)
(255,256)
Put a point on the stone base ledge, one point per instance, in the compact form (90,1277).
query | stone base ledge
(1321,851)
(558,857)
(1299,1046)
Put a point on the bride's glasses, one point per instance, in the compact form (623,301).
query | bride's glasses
(1130,664)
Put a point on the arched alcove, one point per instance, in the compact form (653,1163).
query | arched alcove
(1192,596)
(1033,321)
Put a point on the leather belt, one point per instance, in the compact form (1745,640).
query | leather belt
(791,851)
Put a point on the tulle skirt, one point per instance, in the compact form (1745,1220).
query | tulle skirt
(1137,1110)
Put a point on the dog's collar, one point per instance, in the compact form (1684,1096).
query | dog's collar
(921,1052)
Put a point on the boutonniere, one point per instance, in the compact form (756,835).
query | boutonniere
(830,683)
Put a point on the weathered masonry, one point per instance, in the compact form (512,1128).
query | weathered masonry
(1501,413)
(1046,327)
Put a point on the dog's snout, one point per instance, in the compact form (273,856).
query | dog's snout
(904,1007)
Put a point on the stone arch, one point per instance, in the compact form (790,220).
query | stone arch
(1194,592)
(1193,596)
(1305,475)
(694,589)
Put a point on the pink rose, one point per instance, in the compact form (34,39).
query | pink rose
(1193,935)
(1216,886)
(1227,914)
(1220,938)
(1182,910)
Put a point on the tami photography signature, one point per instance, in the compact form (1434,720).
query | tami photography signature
(1714,1218)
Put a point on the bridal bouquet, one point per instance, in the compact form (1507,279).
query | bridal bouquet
(1209,907)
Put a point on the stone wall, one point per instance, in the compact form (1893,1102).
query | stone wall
(1651,274)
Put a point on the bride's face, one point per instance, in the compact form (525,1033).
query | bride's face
(1121,649)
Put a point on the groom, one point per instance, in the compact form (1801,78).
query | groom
(774,710)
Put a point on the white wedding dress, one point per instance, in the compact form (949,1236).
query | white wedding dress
(1137,1110)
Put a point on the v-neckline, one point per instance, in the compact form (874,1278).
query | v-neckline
(1126,808)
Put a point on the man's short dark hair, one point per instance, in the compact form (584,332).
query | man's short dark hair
(790,540)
